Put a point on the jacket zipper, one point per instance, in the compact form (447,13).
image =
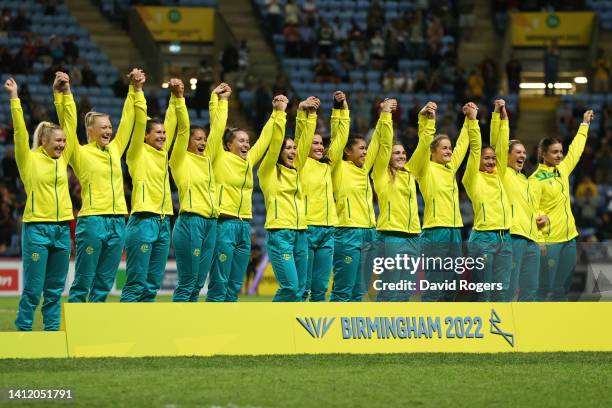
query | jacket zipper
(389,211)
(326,198)
(348,206)
(484,213)
(164,195)
(89,188)
(220,195)
(275,210)
(501,199)
(564,209)
(434,208)
(110,158)
(32,202)
(246,172)
(56,196)
(190,202)
(297,212)
(212,203)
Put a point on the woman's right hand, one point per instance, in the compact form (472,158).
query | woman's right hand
(176,87)
(223,90)
(429,110)
(340,97)
(137,78)
(11,87)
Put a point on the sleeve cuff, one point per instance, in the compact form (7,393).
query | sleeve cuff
(386,116)
(495,116)
(131,89)
(58,97)
(16,103)
(302,114)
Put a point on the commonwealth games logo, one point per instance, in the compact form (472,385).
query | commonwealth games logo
(495,329)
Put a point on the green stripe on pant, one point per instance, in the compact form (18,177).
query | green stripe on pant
(193,239)
(230,260)
(45,251)
(99,245)
(288,252)
(147,244)
(320,262)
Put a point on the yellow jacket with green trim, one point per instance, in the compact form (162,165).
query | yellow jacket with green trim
(352,187)
(397,196)
(148,166)
(98,168)
(316,178)
(280,184)
(233,174)
(45,179)
(486,190)
(437,182)
(193,173)
(523,194)
(555,201)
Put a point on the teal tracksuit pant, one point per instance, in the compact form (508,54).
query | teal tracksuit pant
(147,244)
(441,242)
(45,249)
(99,245)
(230,261)
(320,262)
(288,252)
(193,239)
(353,249)
(557,271)
(496,248)
(525,269)
(392,244)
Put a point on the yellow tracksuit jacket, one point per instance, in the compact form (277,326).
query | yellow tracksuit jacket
(233,174)
(98,168)
(486,191)
(193,173)
(437,182)
(523,194)
(316,178)
(555,200)
(280,184)
(45,179)
(397,196)
(352,187)
(148,166)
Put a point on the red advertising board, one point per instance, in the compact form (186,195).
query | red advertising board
(9,280)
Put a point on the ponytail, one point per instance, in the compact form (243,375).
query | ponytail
(43,130)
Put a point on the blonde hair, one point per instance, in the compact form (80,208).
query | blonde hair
(43,130)
(90,119)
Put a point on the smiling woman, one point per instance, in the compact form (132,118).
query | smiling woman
(100,231)
(46,230)
(486,168)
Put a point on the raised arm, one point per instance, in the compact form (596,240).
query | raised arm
(217,108)
(126,124)
(463,142)
(419,161)
(170,122)
(306,124)
(502,142)
(66,112)
(272,128)
(384,133)
(340,128)
(182,138)
(22,140)
(576,148)
(140,122)
(275,128)
(473,129)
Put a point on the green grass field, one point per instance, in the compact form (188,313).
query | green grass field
(458,380)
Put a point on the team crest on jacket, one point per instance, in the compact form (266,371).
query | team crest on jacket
(286,257)
(144,248)
(35,256)
(348,259)
(196,252)
(89,250)
(222,257)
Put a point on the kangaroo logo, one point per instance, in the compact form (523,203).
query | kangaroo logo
(495,329)
(316,327)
